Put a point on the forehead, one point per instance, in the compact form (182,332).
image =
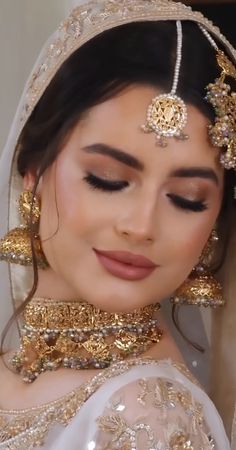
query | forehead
(117,122)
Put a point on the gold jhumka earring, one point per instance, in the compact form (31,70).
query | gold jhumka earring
(16,246)
(201,288)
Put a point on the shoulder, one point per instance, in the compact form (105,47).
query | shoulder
(156,406)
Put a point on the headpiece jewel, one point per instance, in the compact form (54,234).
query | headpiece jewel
(219,94)
(167,113)
(91,19)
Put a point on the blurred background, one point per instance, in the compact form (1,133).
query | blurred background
(26,24)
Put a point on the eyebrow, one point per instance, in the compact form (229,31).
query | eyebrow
(115,153)
(131,161)
(196,172)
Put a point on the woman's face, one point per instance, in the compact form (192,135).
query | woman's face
(112,189)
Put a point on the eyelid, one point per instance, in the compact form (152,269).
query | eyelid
(186,204)
(193,188)
(186,197)
(105,174)
(104,167)
(107,177)
(189,198)
(105,185)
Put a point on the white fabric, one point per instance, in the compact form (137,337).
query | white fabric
(82,432)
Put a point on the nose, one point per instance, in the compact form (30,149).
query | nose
(138,224)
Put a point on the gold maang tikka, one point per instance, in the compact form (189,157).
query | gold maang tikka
(167,113)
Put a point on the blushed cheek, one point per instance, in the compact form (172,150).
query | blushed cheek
(49,214)
(61,196)
(193,248)
(188,238)
(69,212)
(198,241)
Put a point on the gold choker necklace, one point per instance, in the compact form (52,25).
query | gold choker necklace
(75,334)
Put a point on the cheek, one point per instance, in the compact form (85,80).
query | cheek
(69,207)
(188,240)
(191,230)
(193,243)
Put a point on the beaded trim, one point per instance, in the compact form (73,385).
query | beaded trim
(75,334)
(32,425)
(167,113)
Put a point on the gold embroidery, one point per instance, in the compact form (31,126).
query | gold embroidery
(178,418)
(26,429)
(180,441)
(116,433)
(123,434)
(89,20)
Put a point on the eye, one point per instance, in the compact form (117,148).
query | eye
(189,205)
(105,185)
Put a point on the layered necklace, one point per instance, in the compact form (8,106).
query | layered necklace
(77,335)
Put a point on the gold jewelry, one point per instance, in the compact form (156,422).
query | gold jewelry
(16,246)
(201,288)
(167,113)
(87,21)
(74,334)
(223,132)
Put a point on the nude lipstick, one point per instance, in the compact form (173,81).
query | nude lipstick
(125,265)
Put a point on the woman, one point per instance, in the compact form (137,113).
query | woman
(125,187)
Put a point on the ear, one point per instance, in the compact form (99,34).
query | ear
(29,181)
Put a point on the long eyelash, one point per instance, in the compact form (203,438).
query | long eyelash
(105,185)
(114,186)
(195,206)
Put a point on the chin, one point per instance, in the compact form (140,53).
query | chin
(114,295)
(118,306)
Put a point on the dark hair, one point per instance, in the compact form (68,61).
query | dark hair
(140,53)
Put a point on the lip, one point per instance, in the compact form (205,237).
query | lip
(125,265)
